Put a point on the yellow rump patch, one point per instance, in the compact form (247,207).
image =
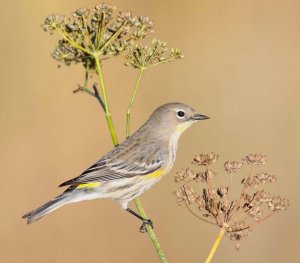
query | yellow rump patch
(89,185)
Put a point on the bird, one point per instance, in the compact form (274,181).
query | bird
(132,167)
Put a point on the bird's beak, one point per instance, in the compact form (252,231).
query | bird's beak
(198,117)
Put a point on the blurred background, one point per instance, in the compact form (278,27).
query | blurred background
(241,68)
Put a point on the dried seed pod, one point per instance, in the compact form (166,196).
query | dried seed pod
(222,191)
(185,194)
(142,56)
(264,178)
(256,159)
(232,167)
(81,12)
(185,176)
(53,21)
(206,159)
(278,203)
(237,216)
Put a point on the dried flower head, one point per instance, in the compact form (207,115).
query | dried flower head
(185,194)
(264,178)
(222,191)
(232,167)
(185,176)
(278,204)
(95,33)
(142,56)
(258,179)
(81,12)
(256,159)
(237,232)
(206,159)
(236,216)
(53,22)
(205,176)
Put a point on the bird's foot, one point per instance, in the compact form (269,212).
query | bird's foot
(146,222)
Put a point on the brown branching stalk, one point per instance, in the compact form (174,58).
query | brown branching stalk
(215,205)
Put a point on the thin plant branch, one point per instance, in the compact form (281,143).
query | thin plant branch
(139,206)
(137,201)
(67,37)
(84,88)
(112,38)
(216,244)
(237,207)
(151,232)
(106,106)
(101,33)
(199,217)
(128,115)
(97,95)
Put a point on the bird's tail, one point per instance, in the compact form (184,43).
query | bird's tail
(36,214)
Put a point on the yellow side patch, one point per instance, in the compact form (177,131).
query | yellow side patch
(89,185)
(156,174)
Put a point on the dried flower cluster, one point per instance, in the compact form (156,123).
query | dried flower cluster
(216,206)
(100,33)
(142,56)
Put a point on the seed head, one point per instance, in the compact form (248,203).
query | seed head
(216,205)
(232,167)
(206,159)
(256,159)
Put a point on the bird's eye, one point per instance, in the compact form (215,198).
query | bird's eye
(180,114)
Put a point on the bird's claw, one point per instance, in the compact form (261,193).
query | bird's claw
(146,222)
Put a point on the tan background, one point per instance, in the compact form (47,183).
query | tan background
(241,67)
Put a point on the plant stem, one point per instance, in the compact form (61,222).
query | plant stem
(214,203)
(197,216)
(112,38)
(237,207)
(115,141)
(215,246)
(101,33)
(104,103)
(151,233)
(161,62)
(107,111)
(128,115)
(137,201)
(67,37)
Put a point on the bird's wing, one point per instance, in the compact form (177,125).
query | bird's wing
(125,161)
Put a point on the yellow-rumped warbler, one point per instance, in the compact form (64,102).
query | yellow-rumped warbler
(131,167)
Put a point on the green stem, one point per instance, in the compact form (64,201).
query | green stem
(115,141)
(107,111)
(108,116)
(112,38)
(137,201)
(88,91)
(86,34)
(101,33)
(161,62)
(128,115)
(215,246)
(67,37)
(151,232)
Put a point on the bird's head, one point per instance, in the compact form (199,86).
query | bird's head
(176,117)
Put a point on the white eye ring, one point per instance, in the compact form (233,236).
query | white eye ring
(180,114)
